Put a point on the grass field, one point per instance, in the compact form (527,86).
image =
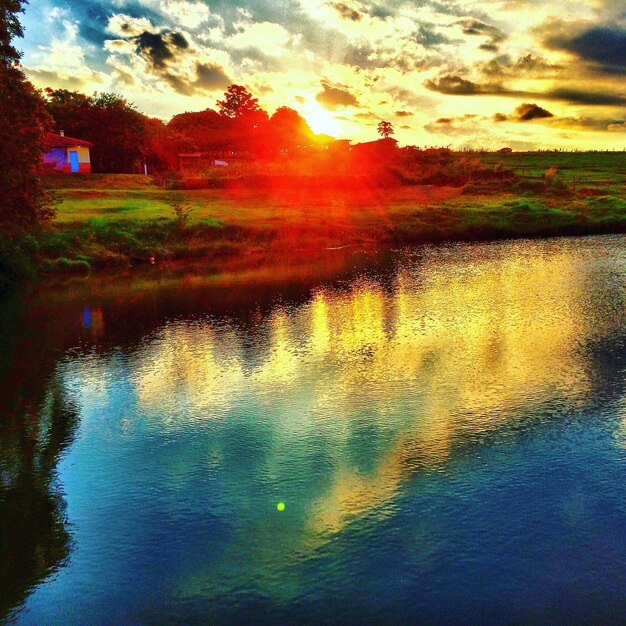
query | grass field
(117,220)
(604,171)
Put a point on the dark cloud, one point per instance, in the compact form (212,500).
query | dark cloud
(178,83)
(523,113)
(334,97)
(380,12)
(585,97)
(211,77)
(405,126)
(527,111)
(403,113)
(159,48)
(454,85)
(428,36)
(527,65)
(444,120)
(346,12)
(475,27)
(590,123)
(604,47)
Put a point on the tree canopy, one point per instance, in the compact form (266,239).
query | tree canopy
(23,122)
(385,129)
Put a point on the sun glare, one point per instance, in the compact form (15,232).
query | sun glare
(321,120)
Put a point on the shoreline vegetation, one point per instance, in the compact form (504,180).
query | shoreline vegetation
(115,222)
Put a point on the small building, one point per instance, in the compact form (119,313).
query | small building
(378,149)
(67,155)
(190,162)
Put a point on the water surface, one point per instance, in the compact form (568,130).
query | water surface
(446,427)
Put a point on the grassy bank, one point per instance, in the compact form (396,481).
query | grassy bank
(119,221)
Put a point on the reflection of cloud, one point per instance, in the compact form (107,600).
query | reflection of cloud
(451,353)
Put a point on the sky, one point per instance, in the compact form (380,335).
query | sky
(528,74)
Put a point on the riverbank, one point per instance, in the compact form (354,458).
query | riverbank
(114,222)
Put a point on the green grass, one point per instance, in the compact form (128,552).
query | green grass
(116,221)
(604,171)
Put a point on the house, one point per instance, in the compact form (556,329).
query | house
(378,149)
(67,154)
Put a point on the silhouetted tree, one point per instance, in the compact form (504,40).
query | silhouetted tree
(120,133)
(208,130)
(287,129)
(245,118)
(385,129)
(23,121)
(238,103)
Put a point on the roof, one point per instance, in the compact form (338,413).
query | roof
(53,140)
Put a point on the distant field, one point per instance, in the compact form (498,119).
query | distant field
(603,170)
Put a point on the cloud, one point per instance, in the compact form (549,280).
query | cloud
(123,25)
(454,85)
(528,65)
(188,14)
(603,46)
(346,12)
(333,97)
(269,38)
(211,77)
(527,111)
(159,48)
(592,98)
(403,113)
(495,36)
(591,124)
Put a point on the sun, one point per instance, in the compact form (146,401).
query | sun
(321,120)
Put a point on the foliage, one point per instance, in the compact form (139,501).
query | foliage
(385,129)
(182,210)
(10,28)
(238,103)
(288,129)
(23,122)
(120,134)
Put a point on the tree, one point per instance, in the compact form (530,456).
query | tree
(117,130)
(245,118)
(23,122)
(238,103)
(287,129)
(385,129)
(208,130)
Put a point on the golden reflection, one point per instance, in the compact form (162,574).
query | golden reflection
(453,351)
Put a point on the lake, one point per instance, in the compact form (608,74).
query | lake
(445,427)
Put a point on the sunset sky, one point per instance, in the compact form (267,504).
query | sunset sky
(466,73)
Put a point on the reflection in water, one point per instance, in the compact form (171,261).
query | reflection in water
(438,356)
(348,404)
(37,424)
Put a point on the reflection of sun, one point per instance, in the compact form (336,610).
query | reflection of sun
(320,119)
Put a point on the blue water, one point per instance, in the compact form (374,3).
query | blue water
(445,426)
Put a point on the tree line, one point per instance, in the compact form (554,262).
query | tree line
(122,136)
